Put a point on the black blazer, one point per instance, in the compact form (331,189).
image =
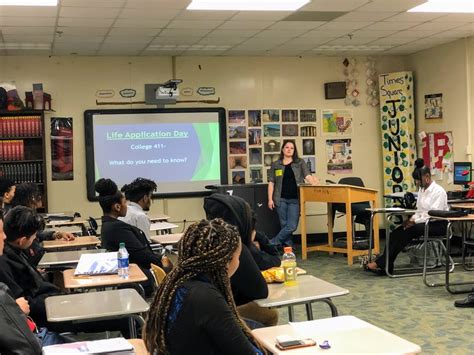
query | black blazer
(114,232)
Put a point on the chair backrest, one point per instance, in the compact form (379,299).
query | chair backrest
(159,273)
(352,180)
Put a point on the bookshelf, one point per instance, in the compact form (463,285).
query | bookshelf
(23,149)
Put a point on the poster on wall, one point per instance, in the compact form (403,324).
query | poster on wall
(62,162)
(438,154)
(434,106)
(339,156)
(397,131)
(336,122)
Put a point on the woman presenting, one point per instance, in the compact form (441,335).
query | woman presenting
(285,175)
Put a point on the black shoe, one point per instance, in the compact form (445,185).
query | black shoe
(465,303)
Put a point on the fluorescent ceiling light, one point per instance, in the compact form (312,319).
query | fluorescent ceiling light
(247,5)
(449,6)
(22,46)
(28,2)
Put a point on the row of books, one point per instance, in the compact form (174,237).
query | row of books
(22,126)
(12,150)
(25,172)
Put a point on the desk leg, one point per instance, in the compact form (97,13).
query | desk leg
(332,306)
(309,311)
(330,228)
(304,253)
(375,230)
(291,315)
(349,233)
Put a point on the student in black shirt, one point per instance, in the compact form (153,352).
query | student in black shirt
(193,311)
(285,175)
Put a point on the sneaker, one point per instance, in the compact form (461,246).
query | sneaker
(465,303)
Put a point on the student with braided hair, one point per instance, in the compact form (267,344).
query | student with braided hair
(114,232)
(193,311)
(138,194)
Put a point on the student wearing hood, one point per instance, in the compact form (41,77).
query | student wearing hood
(247,283)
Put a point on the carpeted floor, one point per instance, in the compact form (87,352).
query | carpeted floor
(405,306)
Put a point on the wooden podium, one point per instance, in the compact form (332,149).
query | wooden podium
(341,194)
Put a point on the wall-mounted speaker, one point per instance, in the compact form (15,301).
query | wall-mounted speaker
(335,90)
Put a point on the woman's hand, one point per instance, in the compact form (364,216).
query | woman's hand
(23,304)
(271,205)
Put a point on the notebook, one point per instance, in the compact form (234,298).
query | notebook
(97,264)
(107,346)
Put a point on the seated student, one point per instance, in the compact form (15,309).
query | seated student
(247,283)
(27,194)
(7,191)
(114,232)
(24,281)
(193,311)
(138,194)
(16,337)
(431,196)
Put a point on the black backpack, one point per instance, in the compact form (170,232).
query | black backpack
(3,99)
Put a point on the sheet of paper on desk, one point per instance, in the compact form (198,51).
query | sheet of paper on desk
(107,346)
(312,328)
(97,264)
(389,209)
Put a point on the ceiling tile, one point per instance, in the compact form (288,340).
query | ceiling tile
(394,41)
(331,5)
(391,25)
(205,15)
(150,14)
(222,40)
(122,52)
(455,18)
(437,26)
(245,25)
(201,53)
(175,32)
(349,41)
(77,46)
(232,33)
(349,26)
(176,40)
(27,31)
(152,52)
(85,22)
(261,15)
(140,23)
(279,33)
(27,39)
(36,52)
(299,45)
(27,21)
(297,25)
(413,17)
(26,11)
(132,46)
(454,34)
(128,39)
(373,33)
(78,31)
(388,5)
(310,42)
(325,34)
(284,52)
(134,31)
(412,34)
(73,52)
(91,12)
(432,40)
(160,4)
(253,46)
(355,16)
(265,43)
(93,3)
(191,25)
(80,38)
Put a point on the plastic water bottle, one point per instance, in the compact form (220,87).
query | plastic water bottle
(122,261)
(288,261)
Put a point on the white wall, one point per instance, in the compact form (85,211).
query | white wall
(240,82)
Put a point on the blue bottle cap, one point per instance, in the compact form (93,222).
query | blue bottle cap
(325,345)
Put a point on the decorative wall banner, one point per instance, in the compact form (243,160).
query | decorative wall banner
(398,130)
(62,162)
(438,154)
(128,93)
(434,106)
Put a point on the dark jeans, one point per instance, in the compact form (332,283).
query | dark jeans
(289,214)
(400,238)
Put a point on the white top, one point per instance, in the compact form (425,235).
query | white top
(137,217)
(433,198)
(345,334)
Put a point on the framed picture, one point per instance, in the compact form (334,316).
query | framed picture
(307,115)
(255,156)
(255,136)
(289,115)
(271,130)
(237,132)
(238,162)
(271,145)
(238,147)
(238,177)
(270,158)
(308,131)
(256,174)
(236,117)
(308,147)
(255,118)
(289,130)
(270,115)
(311,163)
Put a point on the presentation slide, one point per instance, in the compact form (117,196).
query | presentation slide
(180,151)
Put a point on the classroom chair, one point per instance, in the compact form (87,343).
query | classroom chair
(158,273)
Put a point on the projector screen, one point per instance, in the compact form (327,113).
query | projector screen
(182,150)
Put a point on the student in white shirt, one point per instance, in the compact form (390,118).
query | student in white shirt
(138,194)
(431,196)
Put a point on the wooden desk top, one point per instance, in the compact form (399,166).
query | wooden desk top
(66,223)
(338,186)
(139,346)
(79,242)
(71,281)
(158,217)
(167,238)
(469,217)
(467,206)
(346,335)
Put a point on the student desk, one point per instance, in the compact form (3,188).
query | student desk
(341,194)
(78,243)
(167,238)
(159,217)
(139,346)
(93,306)
(162,227)
(308,289)
(58,259)
(101,281)
(346,335)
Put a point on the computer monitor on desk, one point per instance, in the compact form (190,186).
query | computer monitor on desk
(462,173)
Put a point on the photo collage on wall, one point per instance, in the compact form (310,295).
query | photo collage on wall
(255,138)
